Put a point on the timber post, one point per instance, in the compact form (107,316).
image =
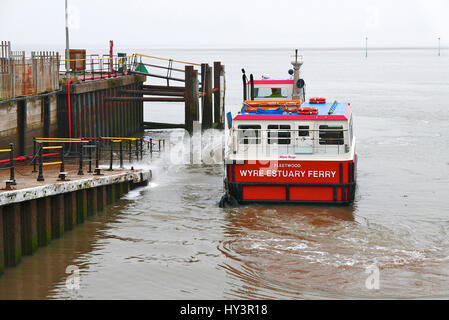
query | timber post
(207,99)
(218,122)
(191,98)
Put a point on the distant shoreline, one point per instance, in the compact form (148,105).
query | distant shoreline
(18,46)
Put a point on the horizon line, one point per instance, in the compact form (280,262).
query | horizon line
(228,48)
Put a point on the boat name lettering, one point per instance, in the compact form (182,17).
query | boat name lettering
(288,174)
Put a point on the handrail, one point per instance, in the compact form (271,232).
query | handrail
(165,59)
(44,143)
(102,58)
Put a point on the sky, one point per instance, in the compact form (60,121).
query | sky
(227,23)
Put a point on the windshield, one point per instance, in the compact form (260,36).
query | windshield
(270,93)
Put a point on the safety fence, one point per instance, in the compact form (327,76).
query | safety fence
(22,76)
(83,151)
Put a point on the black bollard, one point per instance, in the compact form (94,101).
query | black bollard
(90,157)
(130,151)
(121,154)
(141,148)
(80,170)
(40,176)
(111,157)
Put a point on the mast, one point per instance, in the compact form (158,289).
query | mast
(297,91)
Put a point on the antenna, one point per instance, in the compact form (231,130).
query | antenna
(366,47)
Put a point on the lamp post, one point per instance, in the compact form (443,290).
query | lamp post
(439,46)
(67,62)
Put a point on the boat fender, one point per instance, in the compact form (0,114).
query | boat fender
(228,202)
(317,100)
(307,110)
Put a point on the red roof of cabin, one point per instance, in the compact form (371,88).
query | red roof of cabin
(272,82)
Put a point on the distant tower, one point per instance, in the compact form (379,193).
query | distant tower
(439,46)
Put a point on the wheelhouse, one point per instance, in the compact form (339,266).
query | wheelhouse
(272,89)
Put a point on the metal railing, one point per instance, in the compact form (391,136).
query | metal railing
(138,63)
(78,150)
(40,176)
(95,67)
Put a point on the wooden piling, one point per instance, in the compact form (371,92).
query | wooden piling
(110,191)
(29,220)
(69,211)
(102,198)
(57,216)
(21,126)
(79,122)
(89,115)
(84,120)
(92,202)
(207,99)
(45,101)
(44,221)
(191,97)
(2,246)
(12,235)
(81,206)
(217,95)
(118,191)
(125,187)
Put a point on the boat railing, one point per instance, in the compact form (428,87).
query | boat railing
(269,142)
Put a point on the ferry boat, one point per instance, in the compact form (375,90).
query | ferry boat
(284,149)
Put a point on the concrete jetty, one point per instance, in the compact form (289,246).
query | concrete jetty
(35,212)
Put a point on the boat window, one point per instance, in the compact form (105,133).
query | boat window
(278,136)
(249,134)
(303,131)
(270,93)
(331,135)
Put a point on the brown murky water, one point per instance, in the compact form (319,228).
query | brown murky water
(171,241)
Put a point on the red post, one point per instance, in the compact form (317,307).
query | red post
(111,54)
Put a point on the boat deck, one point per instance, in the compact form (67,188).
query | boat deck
(326,111)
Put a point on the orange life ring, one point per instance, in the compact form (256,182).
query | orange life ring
(317,100)
(307,110)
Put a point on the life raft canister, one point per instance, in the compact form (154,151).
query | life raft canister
(317,100)
(307,110)
(291,106)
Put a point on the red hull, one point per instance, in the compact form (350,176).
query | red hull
(292,181)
